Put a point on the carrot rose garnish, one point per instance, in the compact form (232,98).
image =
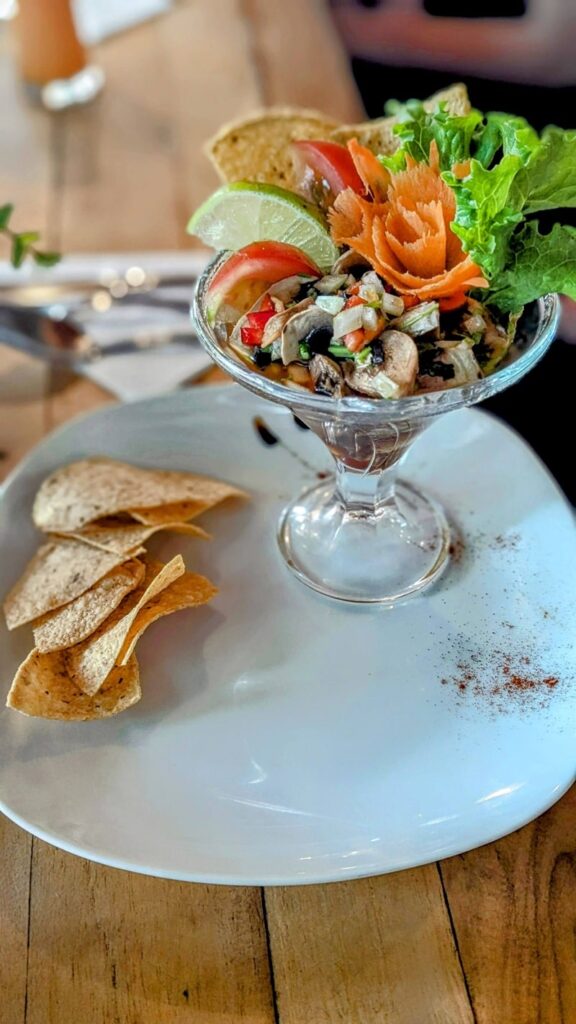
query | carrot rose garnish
(407,238)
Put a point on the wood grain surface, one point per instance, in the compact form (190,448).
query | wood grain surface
(485,938)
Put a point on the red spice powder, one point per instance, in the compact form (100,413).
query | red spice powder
(502,681)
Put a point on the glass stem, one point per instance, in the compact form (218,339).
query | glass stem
(365,495)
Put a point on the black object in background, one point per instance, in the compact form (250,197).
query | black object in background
(541,407)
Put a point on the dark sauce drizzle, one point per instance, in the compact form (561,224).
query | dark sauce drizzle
(270,439)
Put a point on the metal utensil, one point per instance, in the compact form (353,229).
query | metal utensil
(63,339)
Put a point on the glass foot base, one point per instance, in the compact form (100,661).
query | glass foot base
(62,93)
(377,558)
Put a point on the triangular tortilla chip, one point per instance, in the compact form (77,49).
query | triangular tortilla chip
(60,571)
(378,135)
(189,591)
(42,688)
(89,663)
(161,515)
(123,538)
(257,147)
(91,489)
(77,620)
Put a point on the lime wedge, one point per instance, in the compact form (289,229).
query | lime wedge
(245,212)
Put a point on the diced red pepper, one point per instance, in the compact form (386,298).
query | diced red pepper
(266,305)
(354,300)
(259,319)
(251,336)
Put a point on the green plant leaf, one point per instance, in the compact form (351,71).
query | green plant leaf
(5,214)
(28,238)
(46,259)
(18,254)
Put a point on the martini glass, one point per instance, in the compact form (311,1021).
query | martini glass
(368,535)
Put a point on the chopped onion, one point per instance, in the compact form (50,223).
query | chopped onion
(392,304)
(331,303)
(348,320)
(370,319)
(371,288)
(419,319)
(368,293)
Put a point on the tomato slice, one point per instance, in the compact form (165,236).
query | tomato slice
(258,263)
(326,168)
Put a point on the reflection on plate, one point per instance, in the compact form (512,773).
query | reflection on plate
(285,738)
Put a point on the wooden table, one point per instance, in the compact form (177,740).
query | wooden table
(487,937)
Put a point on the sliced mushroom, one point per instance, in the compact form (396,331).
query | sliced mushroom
(298,327)
(400,359)
(330,283)
(349,260)
(370,380)
(327,376)
(274,326)
(395,377)
(288,288)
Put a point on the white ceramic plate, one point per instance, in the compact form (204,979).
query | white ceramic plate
(285,738)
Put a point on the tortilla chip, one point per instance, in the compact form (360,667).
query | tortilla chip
(77,620)
(90,662)
(42,688)
(122,538)
(90,489)
(379,135)
(189,591)
(256,148)
(161,515)
(60,571)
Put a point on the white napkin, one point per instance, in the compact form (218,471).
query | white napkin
(138,374)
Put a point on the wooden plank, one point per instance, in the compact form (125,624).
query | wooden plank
(117,172)
(376,951)
(213,80)
(16,852)
(300,58)
(514,908)
(26,179)
(110,946)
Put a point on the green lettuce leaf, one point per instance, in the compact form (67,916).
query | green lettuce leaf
(485,217)
(513,174)
(394,162)
(418,128)
(548,181)
(538,264)
(513,135)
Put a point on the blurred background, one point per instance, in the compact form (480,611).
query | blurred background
(105,105)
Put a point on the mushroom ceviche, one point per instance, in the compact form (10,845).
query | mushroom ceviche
(418,248)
